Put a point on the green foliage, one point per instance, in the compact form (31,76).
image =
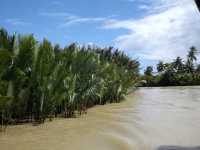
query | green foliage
(148,71)
(178,65)
(160,66)
(5,109)
(45,80)
(176,73)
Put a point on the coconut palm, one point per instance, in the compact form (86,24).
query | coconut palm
(160,66)
(178,65)
(191,57)
(149,71)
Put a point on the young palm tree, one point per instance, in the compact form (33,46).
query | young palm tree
(7,44)
(42,80)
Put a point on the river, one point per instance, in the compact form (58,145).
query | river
(147,119)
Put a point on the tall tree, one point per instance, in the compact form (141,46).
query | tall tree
(191,58)
(8,47)
(178,65)
(149,71)
(160,66)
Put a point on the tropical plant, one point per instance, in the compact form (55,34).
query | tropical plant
(148,71)
(39,80)
(160,66)
(178,72)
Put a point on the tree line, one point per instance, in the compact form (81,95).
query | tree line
(39,80)
(179,72)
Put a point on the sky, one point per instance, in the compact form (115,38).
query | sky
(149,30)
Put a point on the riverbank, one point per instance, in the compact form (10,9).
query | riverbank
(147,119)
(50,118)
(77,115)
(63,133)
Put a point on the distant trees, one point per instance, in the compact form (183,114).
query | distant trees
(149,71)
(39,80)
(178,65)
(191,58)
(178,72)
(160,66)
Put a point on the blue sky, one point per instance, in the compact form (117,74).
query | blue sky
(148,30)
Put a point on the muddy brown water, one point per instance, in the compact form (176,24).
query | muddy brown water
(149,118)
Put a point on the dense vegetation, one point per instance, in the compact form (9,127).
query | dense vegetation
(38,80)
(176,73)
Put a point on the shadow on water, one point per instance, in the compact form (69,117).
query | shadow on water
(177,148)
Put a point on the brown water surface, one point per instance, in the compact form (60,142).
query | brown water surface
(150,117)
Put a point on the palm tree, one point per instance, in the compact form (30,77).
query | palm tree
(160,66)
(178,65)
(7,46)
(41,77)
(191,57)
(192,54)
(148,71)
(42,80)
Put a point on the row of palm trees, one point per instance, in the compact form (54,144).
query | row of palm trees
(177,72)
(39,80)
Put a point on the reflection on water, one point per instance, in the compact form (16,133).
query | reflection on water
(149,118)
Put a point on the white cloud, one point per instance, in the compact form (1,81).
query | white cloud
(17,22)
(70,19)
(144,7)
(74,20)
(169,30)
